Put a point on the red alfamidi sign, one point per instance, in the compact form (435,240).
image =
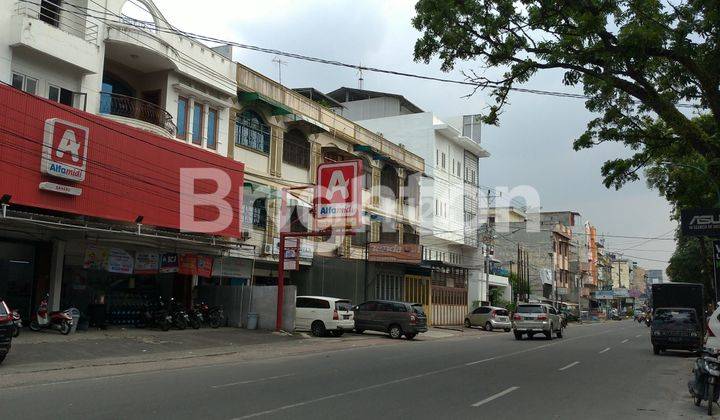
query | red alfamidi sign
(338,195)
(63,159)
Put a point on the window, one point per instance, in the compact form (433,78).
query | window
(60,95)
(302,303)
(367,174)
(485,310)
(389,181)
(197,124)
(50,12)
(251,131)
(471,127)
(296,149)
(399,307)
(385,307)
(259,213)
(442,160)
(459,169)
(368,306)
(343,305)
(182,118)
(24,83)
(437,157)
(212,129)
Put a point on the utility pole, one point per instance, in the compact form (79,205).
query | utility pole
(488,242)
(280,63)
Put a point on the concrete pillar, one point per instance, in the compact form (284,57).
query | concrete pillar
(315,157)
(56,270)
(203,135)
(401,192)
(190,117)
(375,190)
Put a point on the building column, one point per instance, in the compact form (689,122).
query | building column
(203,135)
(315,157)
(56,270)
(271,224)
(276,151)
(401,193)
(375,189)
(190,118)
(401,233)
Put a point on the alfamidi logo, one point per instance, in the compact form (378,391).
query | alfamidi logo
(65,147)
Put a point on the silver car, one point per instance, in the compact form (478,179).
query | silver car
(490,318)
(536,318)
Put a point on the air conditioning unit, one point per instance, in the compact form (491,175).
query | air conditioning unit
(267,249)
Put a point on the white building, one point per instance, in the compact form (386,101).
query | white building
(449,190)
(92,55)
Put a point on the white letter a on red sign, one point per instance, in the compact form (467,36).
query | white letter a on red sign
(337,184)
(69,144)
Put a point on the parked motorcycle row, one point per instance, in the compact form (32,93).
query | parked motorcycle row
(171,314)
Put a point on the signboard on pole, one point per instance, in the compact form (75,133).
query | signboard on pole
(292,254)
(700,222)
(338,195)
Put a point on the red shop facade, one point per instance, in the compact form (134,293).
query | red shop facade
(98,213)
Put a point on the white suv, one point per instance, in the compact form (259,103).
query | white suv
(321,315)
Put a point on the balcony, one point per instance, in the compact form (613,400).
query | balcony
(138,113)
(56,31)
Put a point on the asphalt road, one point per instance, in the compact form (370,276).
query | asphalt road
(597,371)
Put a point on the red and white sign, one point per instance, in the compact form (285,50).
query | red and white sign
(124,172)
(64,153)
(338,194)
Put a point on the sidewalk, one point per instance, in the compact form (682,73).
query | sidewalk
(49,354)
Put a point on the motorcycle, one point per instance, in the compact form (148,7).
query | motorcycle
(640,318)
(44,319)
(157,315)
(213,315)
(180,318)
(704,385)
(648,321)
(196,317)
(17,323)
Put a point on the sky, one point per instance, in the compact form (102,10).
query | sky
(531,146)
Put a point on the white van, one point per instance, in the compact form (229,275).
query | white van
(320,315)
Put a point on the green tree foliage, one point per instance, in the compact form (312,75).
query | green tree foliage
(638,61)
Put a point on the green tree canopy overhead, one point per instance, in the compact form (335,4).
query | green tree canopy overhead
(638,61)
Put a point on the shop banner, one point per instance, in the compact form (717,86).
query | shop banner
(401,253)
(232,267)
(204,265)
(169,263)
(188,264)
(95,258)
(110,170)
(120,261)
(147,262)
(307,248)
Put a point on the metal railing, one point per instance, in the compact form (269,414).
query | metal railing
(60,15)
(136,108)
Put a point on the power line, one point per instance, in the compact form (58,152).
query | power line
(358,67)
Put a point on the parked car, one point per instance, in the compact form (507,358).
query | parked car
(536,318)
(6,330)
(394,318)
(490,318)
(322,315)
(676,328)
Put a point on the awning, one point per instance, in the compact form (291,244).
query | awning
(311,125)
(276,107)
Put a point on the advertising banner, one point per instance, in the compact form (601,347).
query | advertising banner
(338,194)
(402,253)
(169,263)
(147,262)
(204,265)
(187,264)
(700,222)
(120,261)
(96,258)
(64,159)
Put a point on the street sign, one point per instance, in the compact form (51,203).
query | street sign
(700,222)
(338,195)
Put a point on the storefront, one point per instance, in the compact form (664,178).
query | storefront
(98,213)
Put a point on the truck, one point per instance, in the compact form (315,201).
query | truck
(678,317)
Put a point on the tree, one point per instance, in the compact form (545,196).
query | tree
(638,61)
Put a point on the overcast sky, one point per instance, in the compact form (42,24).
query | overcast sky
(532,146)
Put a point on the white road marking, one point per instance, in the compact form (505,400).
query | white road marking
(638,336)
(568,366)
(624,341)
(480,361)
(252,381)
(603,351)
(496,396)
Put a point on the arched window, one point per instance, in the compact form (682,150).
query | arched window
(296,149)
(251,131)
(389,182)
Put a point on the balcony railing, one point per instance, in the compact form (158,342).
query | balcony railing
(64,16)
(135,108)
